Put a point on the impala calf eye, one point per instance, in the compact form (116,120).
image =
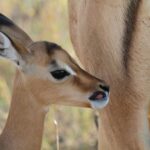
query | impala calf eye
(60,74)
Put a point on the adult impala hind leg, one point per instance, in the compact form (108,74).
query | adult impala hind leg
(111,38)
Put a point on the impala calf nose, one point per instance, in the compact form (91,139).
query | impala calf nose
(104,87)
(100,97)
(1,49)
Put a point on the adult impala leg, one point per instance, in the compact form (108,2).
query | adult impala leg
(111,39)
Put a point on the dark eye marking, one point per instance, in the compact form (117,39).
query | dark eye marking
(60,74)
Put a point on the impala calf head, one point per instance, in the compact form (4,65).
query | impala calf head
(50,74)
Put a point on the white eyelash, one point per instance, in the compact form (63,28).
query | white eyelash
(66,67)
(72,72)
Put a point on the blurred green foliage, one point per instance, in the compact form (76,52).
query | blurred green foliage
(47,20)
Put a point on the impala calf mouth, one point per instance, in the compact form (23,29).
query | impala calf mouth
(99,99)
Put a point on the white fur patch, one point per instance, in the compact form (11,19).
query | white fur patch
(66,67)
(4,41)
(8,52)
(70,70)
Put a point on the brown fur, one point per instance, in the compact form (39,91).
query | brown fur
(97,29)
(34,90)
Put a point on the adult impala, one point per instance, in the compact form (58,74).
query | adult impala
(46,75)
(112,40)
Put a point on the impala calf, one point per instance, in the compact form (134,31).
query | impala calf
(46,75)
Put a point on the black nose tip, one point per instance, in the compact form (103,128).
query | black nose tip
(1,49)
(104,87)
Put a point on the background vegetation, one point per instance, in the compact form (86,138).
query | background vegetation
(47,20)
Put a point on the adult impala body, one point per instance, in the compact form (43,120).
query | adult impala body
(112,40)
(46,75)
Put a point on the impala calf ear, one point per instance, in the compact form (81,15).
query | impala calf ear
(7,50)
